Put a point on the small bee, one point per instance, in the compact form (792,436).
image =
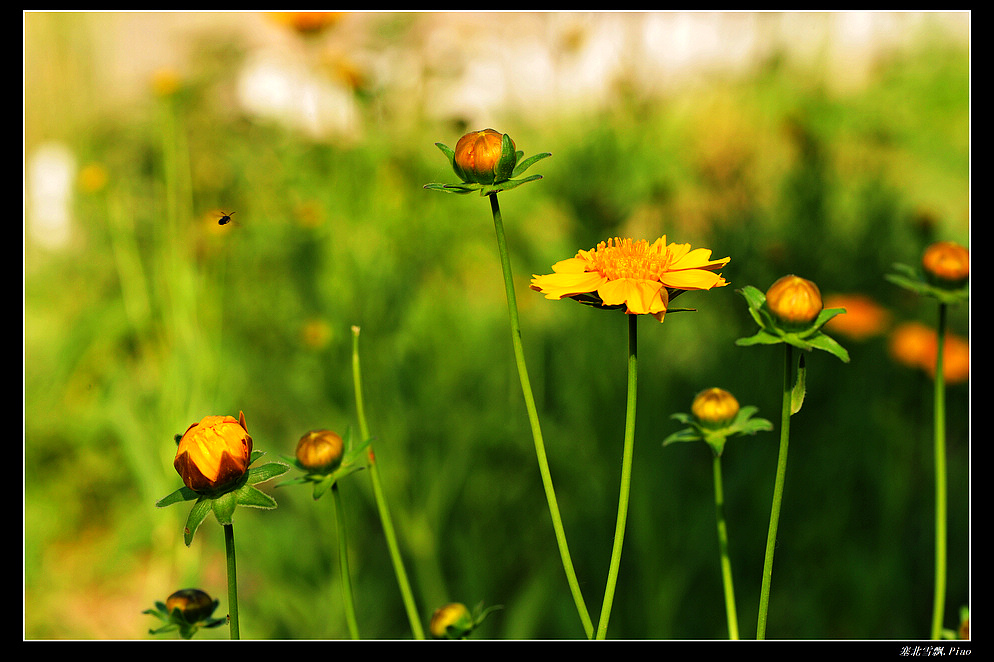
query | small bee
(225,219)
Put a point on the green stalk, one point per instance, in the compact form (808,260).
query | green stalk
(381,503)
(626,479)
(343,560)
(939,600)
(771,538)
(526,389)
(229,549)
(726,565)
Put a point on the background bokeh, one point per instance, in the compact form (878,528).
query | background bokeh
(827,145)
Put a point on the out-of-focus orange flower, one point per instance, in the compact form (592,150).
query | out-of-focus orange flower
(166,82)
(794,300)
(714,407)
(307,22)
(916,345)
(477,154)
(864,317)
(213,453)
(946,262)
(636,274)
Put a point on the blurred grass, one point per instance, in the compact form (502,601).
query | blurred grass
(154,316)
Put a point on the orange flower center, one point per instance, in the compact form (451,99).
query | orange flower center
(624,258)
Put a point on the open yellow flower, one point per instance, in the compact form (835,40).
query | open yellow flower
(641,276)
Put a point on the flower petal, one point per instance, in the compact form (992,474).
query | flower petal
(559,285)
(692,279)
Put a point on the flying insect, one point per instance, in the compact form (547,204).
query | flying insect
(225,219)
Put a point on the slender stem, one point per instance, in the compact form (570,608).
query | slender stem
(343,560)
(626,479)
(726,565)
(939,600)
(381,503)
(771,538)
(526,389)
(229,549)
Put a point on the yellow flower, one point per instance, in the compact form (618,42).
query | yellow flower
(213,453)
(320,451)
(947,263)
(477,154)
(636,274)
(453,621)
(794,300)
(714,407)
(307,22)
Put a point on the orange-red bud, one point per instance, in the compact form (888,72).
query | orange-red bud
(794,300)
(213,453)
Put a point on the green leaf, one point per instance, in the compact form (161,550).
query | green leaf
(254,498)
(195,518)
(529,162)
(688,434)
(753,296)
(451,188)
(182,494)
(798,391)
(266,472)
(762,337)
(828,344)
(448,151)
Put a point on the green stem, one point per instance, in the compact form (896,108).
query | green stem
(939,600)
(726,565)
(771,538)
(626,479)
(229,549)
(343,560)
(526,389)
(381,503)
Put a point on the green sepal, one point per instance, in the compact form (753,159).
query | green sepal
(914,280)
(253,497)
(196,518)
(529,162)
(182,494)
(742,424)
(508,159)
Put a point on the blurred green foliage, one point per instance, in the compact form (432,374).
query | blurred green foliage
(153,318)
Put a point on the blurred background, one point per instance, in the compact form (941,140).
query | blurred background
(830,145)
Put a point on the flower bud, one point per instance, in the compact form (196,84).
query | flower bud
(193,604)
(320,451)
(714,407)
(478,155)
(794,300)
(453,621)
(213,453)
(947,263)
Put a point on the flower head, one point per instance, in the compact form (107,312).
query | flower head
(947,263)
(320,451)
(451,621)
(714,407)
(478,154)
(794,300)
(864,317)
(213,453)
(641,276)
